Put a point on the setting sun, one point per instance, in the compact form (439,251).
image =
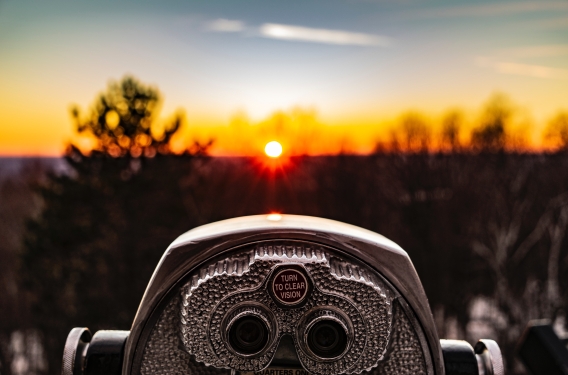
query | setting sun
(273,149)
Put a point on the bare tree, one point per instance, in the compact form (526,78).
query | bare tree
(451,128)
(557,131)
(505,241)
(413,134)
(492,132)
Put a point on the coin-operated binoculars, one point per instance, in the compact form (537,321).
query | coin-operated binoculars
(280,295)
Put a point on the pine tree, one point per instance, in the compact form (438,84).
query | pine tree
(90,254)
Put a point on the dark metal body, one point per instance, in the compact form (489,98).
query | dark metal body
(195,248)
(459,357)
(542,351)
(98,354)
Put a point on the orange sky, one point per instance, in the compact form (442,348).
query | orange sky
(356,67)
(299,130)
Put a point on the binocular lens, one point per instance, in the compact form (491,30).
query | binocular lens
(327,339)
(248,335)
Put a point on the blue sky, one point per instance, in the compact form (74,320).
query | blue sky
(354,60)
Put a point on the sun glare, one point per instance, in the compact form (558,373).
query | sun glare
(274,217)
(273,149)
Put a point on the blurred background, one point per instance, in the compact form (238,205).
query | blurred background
(442,125)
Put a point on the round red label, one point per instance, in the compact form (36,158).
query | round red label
(289,286)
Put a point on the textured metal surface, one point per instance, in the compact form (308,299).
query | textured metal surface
(405,355)
(164,353)
(489,355)
(74,351)
(218,240)
(194,325)
(218,288)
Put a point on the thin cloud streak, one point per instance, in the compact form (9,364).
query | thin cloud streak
(326,36)
(298,33)
(526,70)
(226,26)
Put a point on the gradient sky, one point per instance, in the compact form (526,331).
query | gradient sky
(359,63)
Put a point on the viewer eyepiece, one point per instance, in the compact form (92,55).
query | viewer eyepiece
(327,339)
(327,334)
(248,330)
(248,335)
(297,295)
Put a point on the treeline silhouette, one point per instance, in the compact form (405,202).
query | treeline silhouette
(498,126)
(486,230)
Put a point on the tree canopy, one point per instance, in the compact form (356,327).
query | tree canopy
(464,218)
(104,225)
(123,120)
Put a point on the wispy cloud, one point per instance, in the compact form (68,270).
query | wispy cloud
(226,26)
(297,33)
(527,70)
(494,9)
(537,51)
(308,34)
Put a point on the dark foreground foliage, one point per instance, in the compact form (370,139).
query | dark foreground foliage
(488,225)
(486,231)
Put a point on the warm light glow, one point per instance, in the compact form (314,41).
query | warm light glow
(347,91)
(274,217)
(273,149)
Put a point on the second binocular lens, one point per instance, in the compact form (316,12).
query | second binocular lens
(248,335)
(327,339)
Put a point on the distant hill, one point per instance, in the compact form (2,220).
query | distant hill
(11,166)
